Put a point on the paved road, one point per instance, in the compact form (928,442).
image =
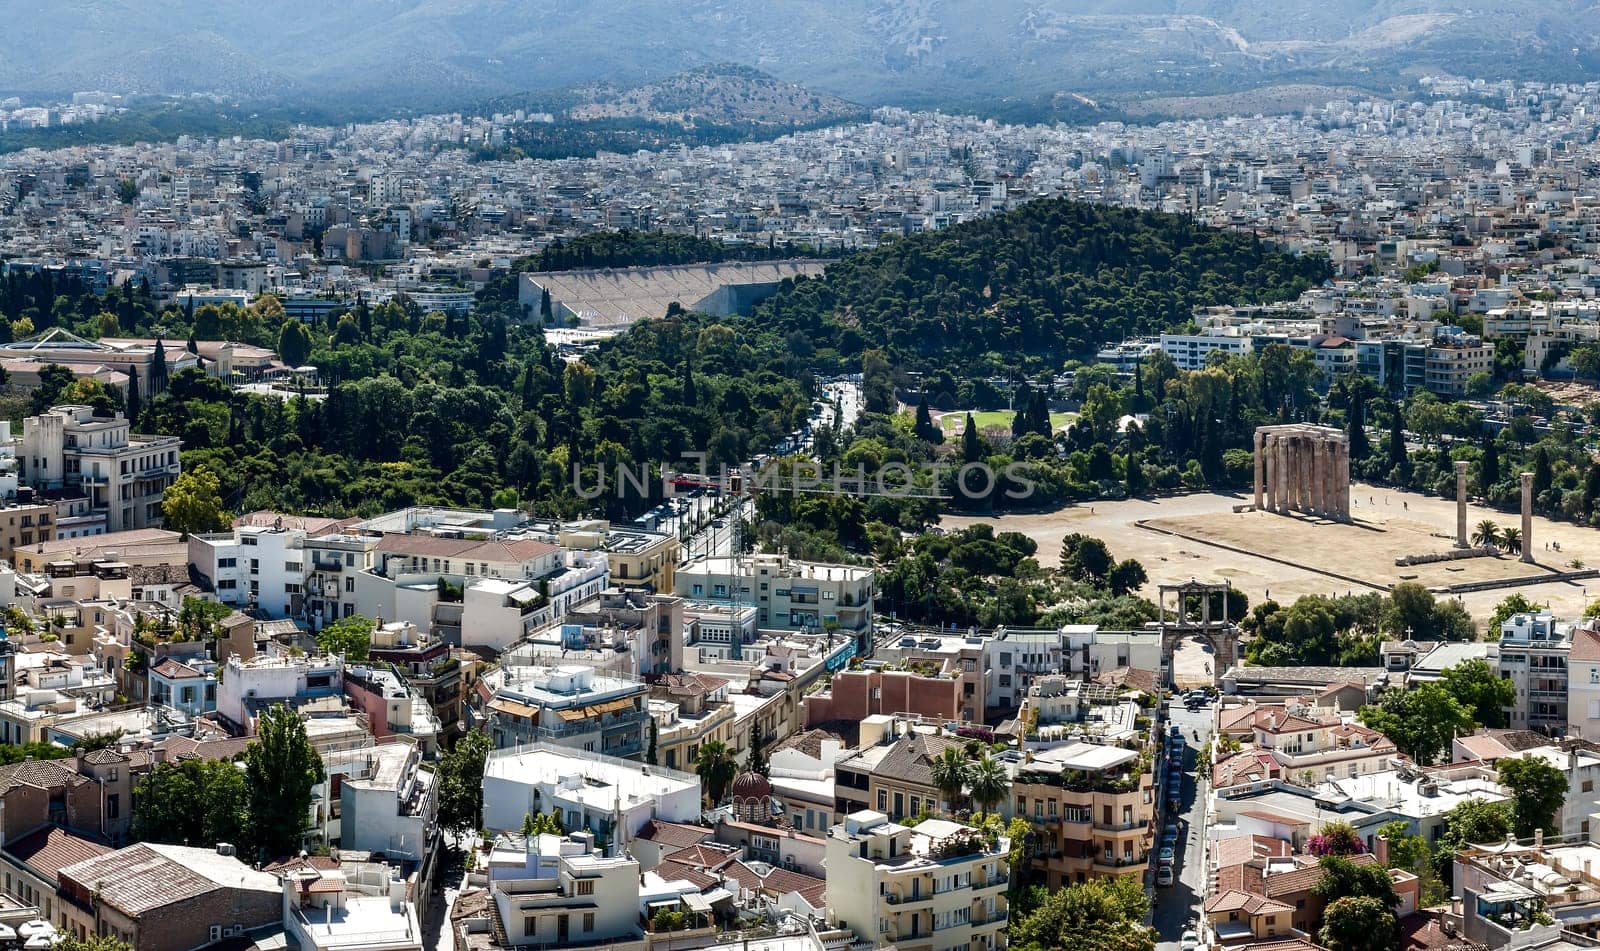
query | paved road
(1177,905)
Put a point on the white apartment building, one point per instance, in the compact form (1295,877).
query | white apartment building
(352,908)
(584,899)
(1583,684)
(385,802)
(331,564)
(1533,656)
(567,706)
(610,797)
(250,686)
(509,587)
(123,475)
(1192,351)
(787,594)
(935,887)
(254,566)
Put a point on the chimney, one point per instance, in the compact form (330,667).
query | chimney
(1538,838)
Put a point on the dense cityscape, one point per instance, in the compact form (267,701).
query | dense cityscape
(910,530)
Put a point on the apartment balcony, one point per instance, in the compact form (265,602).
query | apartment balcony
(1121,828)
(1119,865)
(909,902)
(984,884)
(624,750)
(998,918)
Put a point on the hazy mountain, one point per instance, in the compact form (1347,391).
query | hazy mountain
(427,52)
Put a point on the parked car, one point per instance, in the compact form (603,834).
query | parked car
(1189,942)
(1168,855)
(1164,876)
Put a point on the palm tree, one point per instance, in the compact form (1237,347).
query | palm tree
(715,766)
(1511,540)
(1487,535)
(989,783)
(950,770)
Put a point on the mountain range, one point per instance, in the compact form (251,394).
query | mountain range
(432,53)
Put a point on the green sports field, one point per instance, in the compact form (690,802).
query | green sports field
(953,422)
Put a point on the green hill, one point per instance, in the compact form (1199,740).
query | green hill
(1051,280)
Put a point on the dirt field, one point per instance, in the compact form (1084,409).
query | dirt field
(1291,556)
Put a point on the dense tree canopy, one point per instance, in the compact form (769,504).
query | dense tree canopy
(280,769)
(1047,281)
(1105,914)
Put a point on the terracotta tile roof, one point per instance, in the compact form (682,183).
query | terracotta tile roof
(779,881)
(1421,931)
(1301,879)
(1247,766)
(673,835)
(469,548)
(175,670)
(50,849)
(1245,902)
(1128,678)
(910,759)
(43,773)
(1585,645)
(312,525)
(176,748)
(809,742)
(145,877)
(672,871)
(706,855)
(1239,849)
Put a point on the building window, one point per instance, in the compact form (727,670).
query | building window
(113,805)
(530,926)
(585,886)
(588,921)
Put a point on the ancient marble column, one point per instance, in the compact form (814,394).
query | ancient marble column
(1461,504)
(1281,457)
(1341,479)
(1260,468)
(1527,517)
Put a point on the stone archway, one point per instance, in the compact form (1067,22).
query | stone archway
(1206,621)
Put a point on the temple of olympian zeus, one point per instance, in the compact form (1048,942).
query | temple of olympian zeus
(1303,468)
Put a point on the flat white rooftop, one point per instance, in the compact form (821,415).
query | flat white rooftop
(1087,757)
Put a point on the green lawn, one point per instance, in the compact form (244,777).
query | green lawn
(953,422)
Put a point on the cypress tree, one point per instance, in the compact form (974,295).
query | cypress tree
(924,426)
(1040,411)
(1489,465)
(1357,412)
(1022,409)
(1541,472)
(1591,489)
(972,447)
(690,394)
(134,402)
(1398,457)
(158,369)
(1138,388)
